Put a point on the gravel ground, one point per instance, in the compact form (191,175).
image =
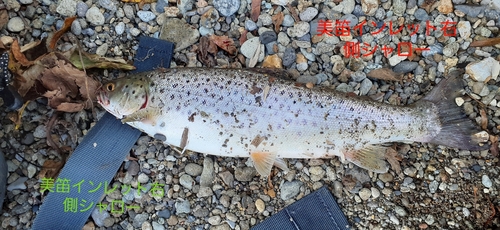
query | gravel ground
(438,188)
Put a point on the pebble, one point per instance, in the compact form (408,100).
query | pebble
(245,173)
(365,86)
(207,175)
(165,213)
(486,181)
(76,28)
(299,29)
(375,192)
(186,181)
(451,49)
(102,50)
(470,10)
(288,21)
(260,205)
(386,177)
(433,186)
(290,189)
(193,169)
(405,67)
(139,219)
(108,5)
(464,29)
(289,57)
(267,37)
(142,178)
(66,8)
(120,28)
(369,7)
(28,139)
(308,14)
(249,47)
(17,184)
(94,16)
(81,9)
(179,32)
(182,207)
(481,71)
(365,193)
(99,216)
(396,59)
(146,16)
(15,25)
(227,177)
(227,7)
(184,5)
(421,15)
(40,132)
(250,25)
(398,7)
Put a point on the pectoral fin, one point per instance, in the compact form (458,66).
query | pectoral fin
(148,115)
(263,162)
(371,158)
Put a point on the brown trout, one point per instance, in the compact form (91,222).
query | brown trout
(248,113)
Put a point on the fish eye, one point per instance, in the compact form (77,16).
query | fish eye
(110,87)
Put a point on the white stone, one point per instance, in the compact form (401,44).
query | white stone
(481,71)
(67,8)
(249,47)
(464,29)
(396,59)
(15,24)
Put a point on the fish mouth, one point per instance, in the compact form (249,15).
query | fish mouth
(102,98)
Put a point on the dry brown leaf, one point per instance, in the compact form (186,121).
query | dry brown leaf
(50,169)
(484,119)
(243,37)
(392,156)
(385,74)
(67,84)
(4,18)
(59,33)
(96,61)
(485,42)
(224,42)
(429,5)
(203,52)
(277,21)
(18,55)
(494,145)
(255,10)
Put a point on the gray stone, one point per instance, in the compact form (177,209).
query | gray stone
(205,192)
(160,6)
(193,169)
(267,37)
(66,8)
(470,10)
(451,49)
(102,50)
(94,16)
(307,78)
(81,9)
(400,211)
(290,189)
(204,31)
(405,67)
(421,14)
(288,21)
(289,57)
(18,184)
(437,48)
(28,139)
(139,219)
(120,28)
(365,193)
(365,86)
(179,32)
(398,7)
(433,186)
(348,6)
(182,206)
(245,173)
(108,5)
(249,47)
(227,7)
(351,18)
(186,181)
(40,132)
(227,177)
(265,19)
(146,16)
(164,213)
(486,181)
(283,39)
(250,25)
(299,29)
(308,14)
(76,28)
(99,216)
(15,25)
(207,175)
(129,11)
(184,5)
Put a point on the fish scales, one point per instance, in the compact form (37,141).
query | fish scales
(236,113)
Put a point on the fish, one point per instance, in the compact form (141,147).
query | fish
(262,115)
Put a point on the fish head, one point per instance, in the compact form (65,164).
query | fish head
(124,96)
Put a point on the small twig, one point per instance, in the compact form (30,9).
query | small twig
(50,141)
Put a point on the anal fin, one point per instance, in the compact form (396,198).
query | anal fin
(263,162)
(370,157)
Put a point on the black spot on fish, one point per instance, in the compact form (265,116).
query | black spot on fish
(160,137)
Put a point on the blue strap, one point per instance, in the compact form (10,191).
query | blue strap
(96,160)
(317,211)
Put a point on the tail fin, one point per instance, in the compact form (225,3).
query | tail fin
(457,130)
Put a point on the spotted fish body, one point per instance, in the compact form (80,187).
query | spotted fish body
(248,113)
